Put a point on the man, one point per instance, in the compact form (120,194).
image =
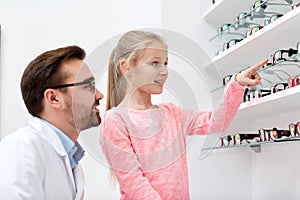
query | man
(40,161)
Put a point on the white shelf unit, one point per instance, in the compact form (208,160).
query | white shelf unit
(280,34)
(271,166)
(228,9)
(264,107)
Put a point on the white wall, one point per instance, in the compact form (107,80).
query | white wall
(32,27)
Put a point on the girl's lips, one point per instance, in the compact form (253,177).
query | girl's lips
(161,83)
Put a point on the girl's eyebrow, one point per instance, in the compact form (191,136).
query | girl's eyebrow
(158,58)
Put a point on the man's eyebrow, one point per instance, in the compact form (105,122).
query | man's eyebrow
(89,79)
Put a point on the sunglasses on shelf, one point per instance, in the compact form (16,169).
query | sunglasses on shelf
(226,140)
(264,135)
(271,19)
(284,54)
(259,7)
(251,94)
(279,87)
(272,134)
(292,82)
(278,134)
(230,43)
(241,138)
(294,129)
(227,45)
(253,30)
(241,19)
(222,29)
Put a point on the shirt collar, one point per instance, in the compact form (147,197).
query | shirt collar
(74,150)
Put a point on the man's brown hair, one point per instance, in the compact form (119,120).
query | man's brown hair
(43,72)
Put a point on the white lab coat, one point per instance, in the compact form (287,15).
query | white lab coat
(34,165)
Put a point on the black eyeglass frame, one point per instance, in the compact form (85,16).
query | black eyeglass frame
(289,52)
(90,82)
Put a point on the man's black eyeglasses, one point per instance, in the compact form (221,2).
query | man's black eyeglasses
(90,83)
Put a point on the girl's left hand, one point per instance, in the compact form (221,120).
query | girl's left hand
(250,77)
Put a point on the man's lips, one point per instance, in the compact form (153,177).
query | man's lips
(97,108)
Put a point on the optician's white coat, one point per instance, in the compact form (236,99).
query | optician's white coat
(34,165)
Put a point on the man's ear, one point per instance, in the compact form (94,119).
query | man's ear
(52,98)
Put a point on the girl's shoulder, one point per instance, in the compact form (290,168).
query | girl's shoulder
(169,106)
(121,111)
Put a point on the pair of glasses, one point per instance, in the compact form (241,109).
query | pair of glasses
(241,19)
(222,29)
(294,129)
(90,84)
(272,134)
(227,45)
(271,19)
(251,94)
(284,54)
(241,138)
(253,30)
(292,82)
(278,134)
(230,43)
(260,6)
(279,87)
(226,140)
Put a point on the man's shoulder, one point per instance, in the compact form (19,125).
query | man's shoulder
(23,135)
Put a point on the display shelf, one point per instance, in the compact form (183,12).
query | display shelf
(279,102)
(250,19)
(271,105)
(238,28)
(256,146)
(249,51)
(275,73)
(227,9)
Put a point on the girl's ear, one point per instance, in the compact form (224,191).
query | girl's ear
(124,66)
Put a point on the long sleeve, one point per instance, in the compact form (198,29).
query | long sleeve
(220,117)
(146,148)
(117,147)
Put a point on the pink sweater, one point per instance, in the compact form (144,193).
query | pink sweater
(147,148)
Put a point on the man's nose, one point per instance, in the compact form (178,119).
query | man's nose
(98,95)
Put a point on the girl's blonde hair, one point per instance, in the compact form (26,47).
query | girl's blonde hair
(129,47)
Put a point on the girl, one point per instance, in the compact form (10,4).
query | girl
(145,143)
